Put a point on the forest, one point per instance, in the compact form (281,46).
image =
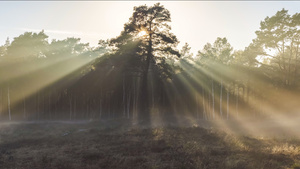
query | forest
(142,75)
(139,101)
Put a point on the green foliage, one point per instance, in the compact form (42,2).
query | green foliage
(28,45)
(220,51)
(278,39)
(159,41)
(68,76)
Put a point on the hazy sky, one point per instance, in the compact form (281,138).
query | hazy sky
(195,22)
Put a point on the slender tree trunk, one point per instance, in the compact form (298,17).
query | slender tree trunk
(209,105)
(38,105)
(88,109)
(70,104)
(227,104)
(248,92)
(124,102)
(213,98)
(134,100)
(55,106)
(289,63)
(203,102)
(237,101)
(49,105)
(24,106)
(8,103)
(74,108)
(197,106)
(128,105)
(243,97)
(152,92)
(100,111)
(1,104)
(221,92)
(296,63)
(44,107)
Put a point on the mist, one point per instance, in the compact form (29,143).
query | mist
(139,101)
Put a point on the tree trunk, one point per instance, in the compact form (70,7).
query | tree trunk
(237,102)
(124,103)
(213,99)
(128,105)
(296,63)
(24,107)
(8,103)
(227,104)
(134,100)
(145,100)
(44,105)
(209,106)
(1,104)
(248,92)
(152,93)
(74,108)
(100,111)
(49,105)
(38,105)
(197,106)
(221,113)
(70,104)
(203,102)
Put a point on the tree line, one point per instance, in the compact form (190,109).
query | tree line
(141,74)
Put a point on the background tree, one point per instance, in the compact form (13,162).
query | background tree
(279,38)
(28,45)
(215,59)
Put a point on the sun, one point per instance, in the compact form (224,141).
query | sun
(142,33)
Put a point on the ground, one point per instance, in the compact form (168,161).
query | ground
(124,144)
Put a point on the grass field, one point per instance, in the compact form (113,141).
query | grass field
(115,144)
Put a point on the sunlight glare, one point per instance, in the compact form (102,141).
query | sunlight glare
(142,33)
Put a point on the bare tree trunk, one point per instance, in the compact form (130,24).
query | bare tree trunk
(49,105)
(243,98)
(88,109)
(44,106)
(221,113)
(296,63)
(24,106)
(134,99)
(8,103)
(55,105)
(128,105)
(227,104)
(74,108)
(100,111)
(38,105)
(1,104)
(124,103)
(203,102)
(70,103)
(209,106)
(197,106)
(289,63)
(248,92)
(213,98)
(237,102)
(152,93)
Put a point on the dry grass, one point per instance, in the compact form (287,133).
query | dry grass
(119,145)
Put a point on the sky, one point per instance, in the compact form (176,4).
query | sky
(194,22)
